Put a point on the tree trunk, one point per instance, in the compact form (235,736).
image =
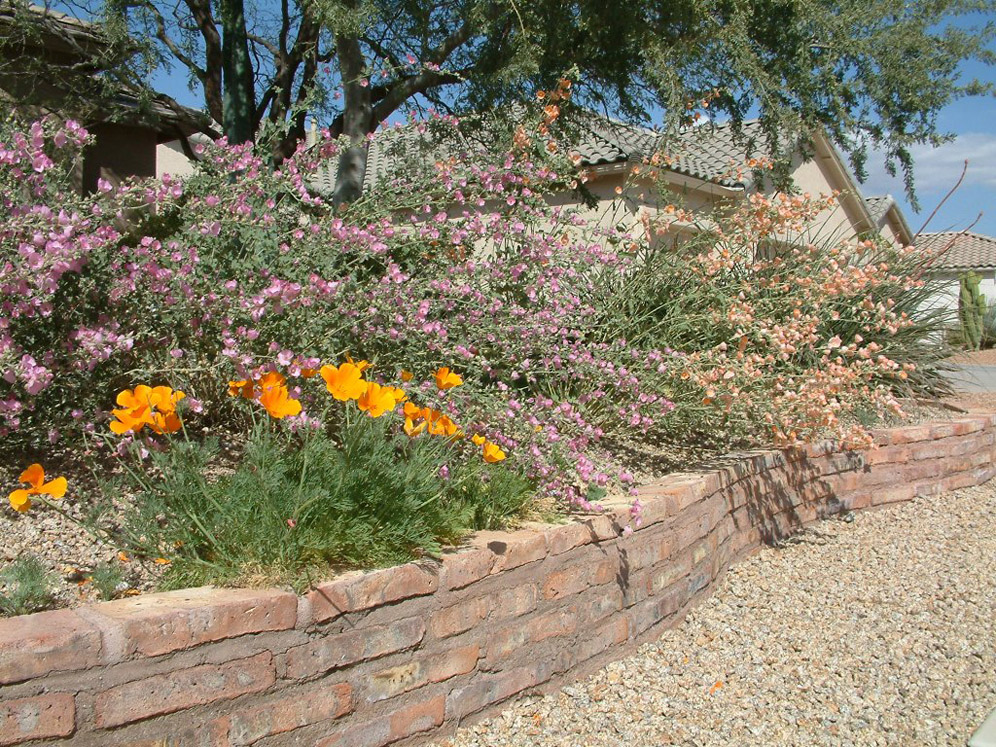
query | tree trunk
(356,121)
(239,95)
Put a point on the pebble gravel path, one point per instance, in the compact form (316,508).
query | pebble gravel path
(880,631)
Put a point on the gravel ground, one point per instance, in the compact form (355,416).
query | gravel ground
(977,357)
(876,632)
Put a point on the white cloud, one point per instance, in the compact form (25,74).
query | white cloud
(936,170)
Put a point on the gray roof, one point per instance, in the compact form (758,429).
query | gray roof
(963,250)
(878,206)
(709,152)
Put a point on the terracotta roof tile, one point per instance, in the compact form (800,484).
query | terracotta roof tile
(959,250)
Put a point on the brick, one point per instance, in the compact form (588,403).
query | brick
(636,588)
(580,576)
(671,571)
(288,713)
(368,734)
(510,640)
(612,633)
(601,606)
(896,494)
(186,688)
(466,566)
(488,689)
(155,624)
(514,549)
(39,717)
(943,430)
(395,680)
(654,611)
(566,581)
(515,601)
(361,591)
(564,537)
(909,434)
(453,663)
(460,617)
(35,645)
(403,723)
(646,549)
(333,651)
(417,718)
(602,528)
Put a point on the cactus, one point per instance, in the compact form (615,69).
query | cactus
(971,310)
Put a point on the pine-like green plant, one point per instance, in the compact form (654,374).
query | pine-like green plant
(28,587)
(295,507)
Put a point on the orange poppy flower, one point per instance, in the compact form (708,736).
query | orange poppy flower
(407,376)
(275,397)
(242,387)
(377,399)
(446,379)
(345,382)
(145,405)
(478,440)
(493,453)
(34,476)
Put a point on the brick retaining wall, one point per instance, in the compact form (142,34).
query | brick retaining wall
(407,653)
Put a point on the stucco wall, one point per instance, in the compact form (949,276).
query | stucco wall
(408,653)
(949,288)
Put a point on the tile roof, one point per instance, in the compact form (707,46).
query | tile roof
(878,206)
(709,152)
(959,250)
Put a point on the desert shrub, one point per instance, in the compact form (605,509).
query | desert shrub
(220,278)
(784,335)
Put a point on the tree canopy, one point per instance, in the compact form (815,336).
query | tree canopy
(871,72)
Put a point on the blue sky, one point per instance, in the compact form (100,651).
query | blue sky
(936,170)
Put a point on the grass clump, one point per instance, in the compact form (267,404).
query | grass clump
(297,504)
(26,587)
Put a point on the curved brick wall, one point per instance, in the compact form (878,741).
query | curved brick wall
(409,652)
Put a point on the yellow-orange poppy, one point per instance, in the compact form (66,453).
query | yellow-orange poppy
(34,476)
(493,453)
(147,406)
(241,388)
(345,382)
(275,397)
(377,399)
(446,379)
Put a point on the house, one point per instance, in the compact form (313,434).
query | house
(51,63)
(703,170)
(955,254)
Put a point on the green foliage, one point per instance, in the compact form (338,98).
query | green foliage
(880,68)
(971,311)
(803,337)
(107,579)
(292,504)
(25,587)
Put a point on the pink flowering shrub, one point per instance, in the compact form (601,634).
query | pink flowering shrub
(567,336)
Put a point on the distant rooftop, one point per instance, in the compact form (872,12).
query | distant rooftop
(959,251)
(709,153)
